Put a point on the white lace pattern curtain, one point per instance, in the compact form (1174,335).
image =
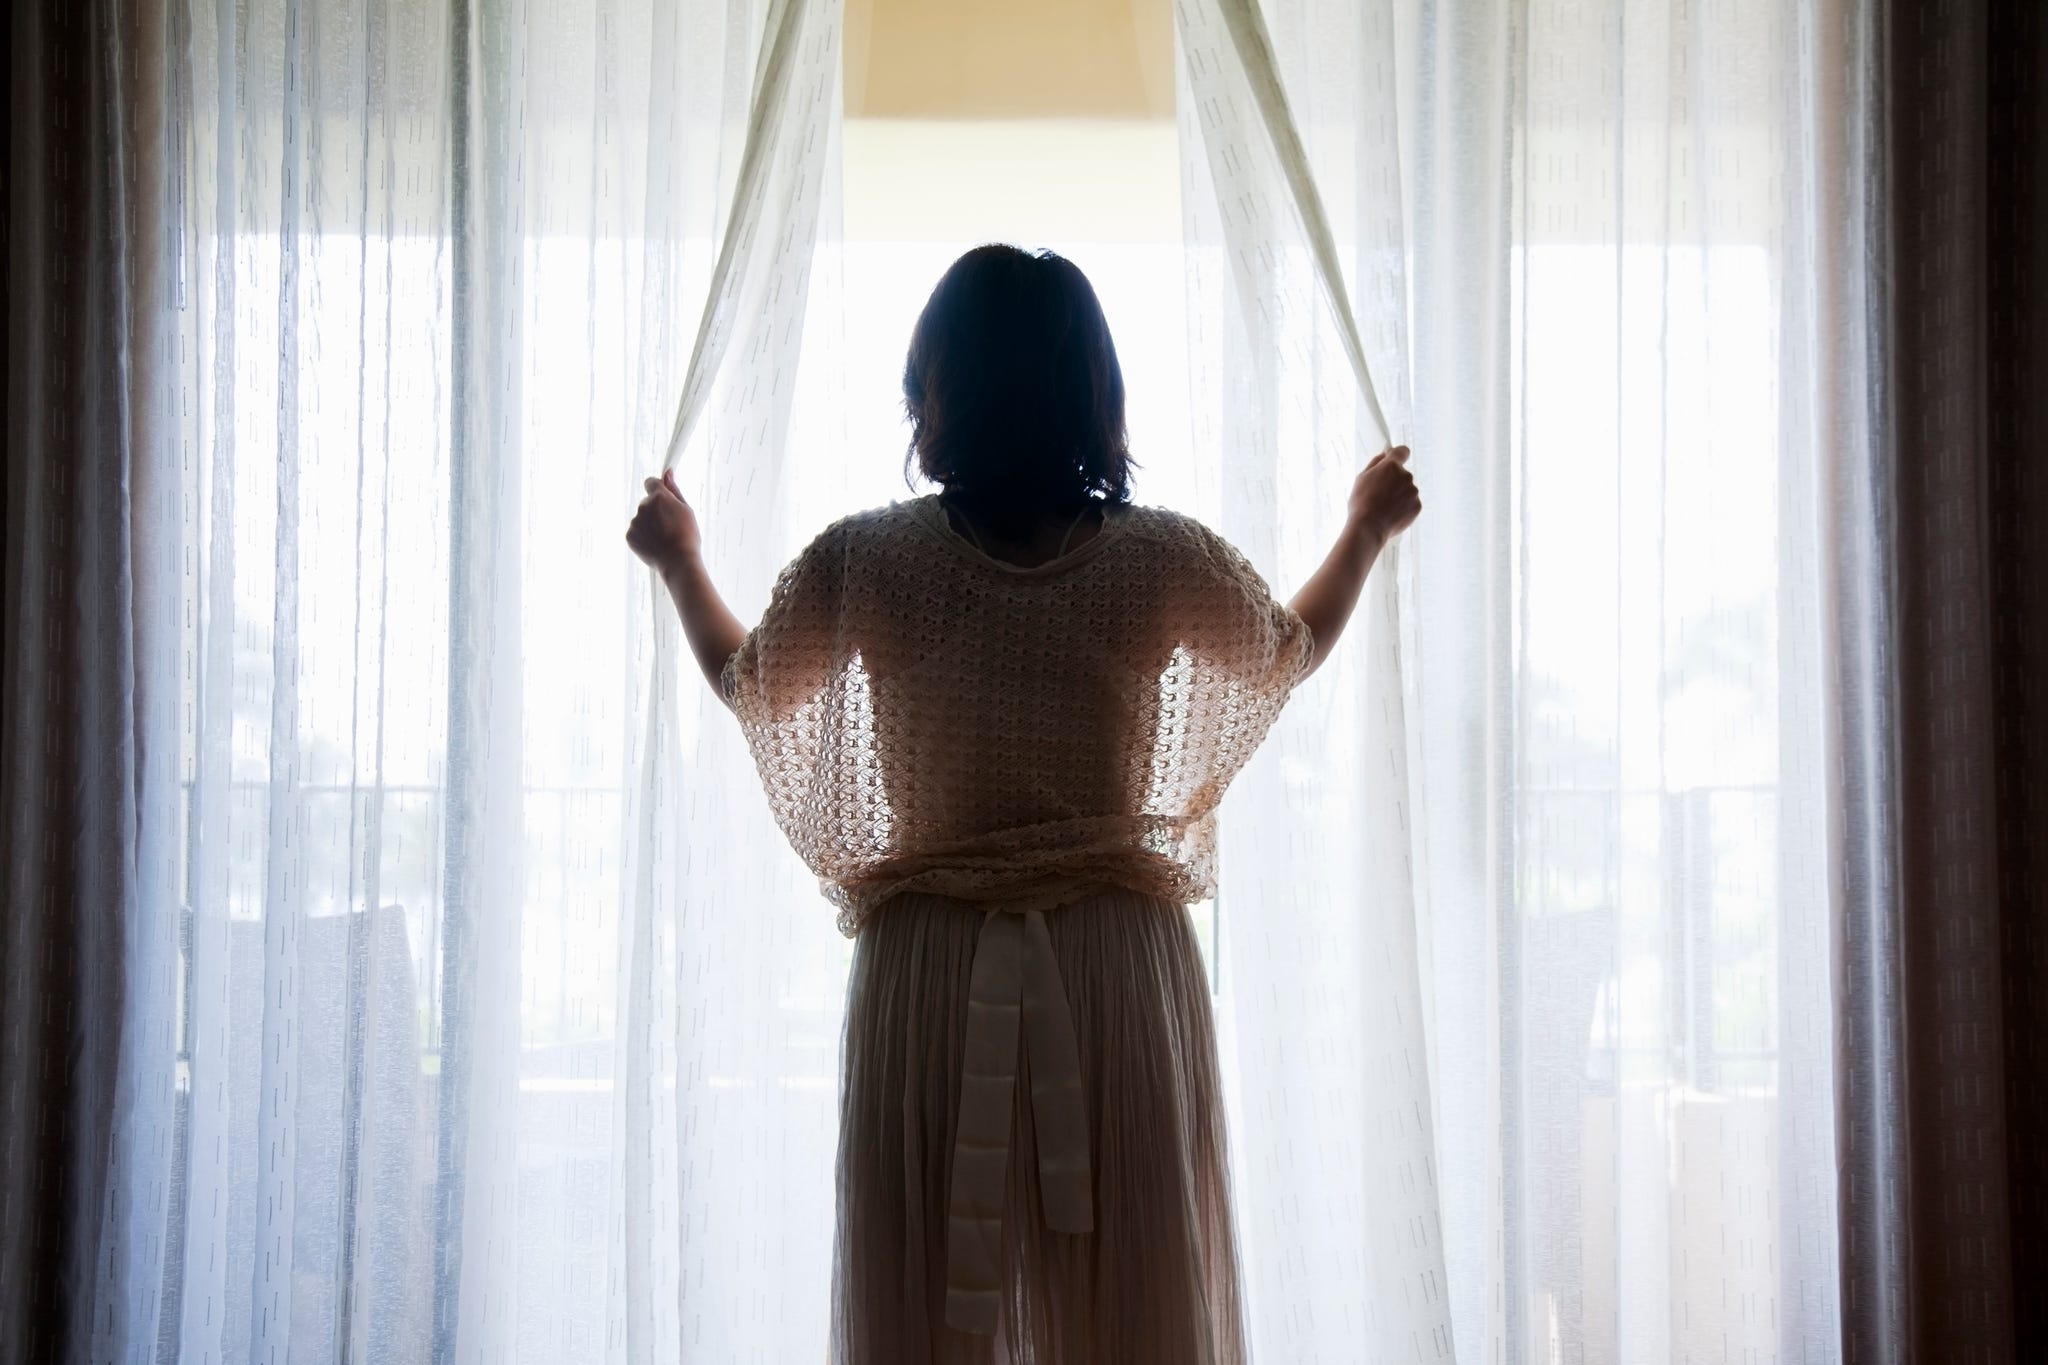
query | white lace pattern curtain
(1532,1037)
(472,1009)
(448,1038)
(1300,376)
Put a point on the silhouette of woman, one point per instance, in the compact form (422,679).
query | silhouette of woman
(996,722)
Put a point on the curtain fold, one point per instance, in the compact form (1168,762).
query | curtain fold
(1680,248)
(333,1024)
(1297,284)
(732,984)
(81,736)
(1941,1044)
(1617,775)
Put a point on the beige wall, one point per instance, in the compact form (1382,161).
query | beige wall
(1009,59)
(1031,121)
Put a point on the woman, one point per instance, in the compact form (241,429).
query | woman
(996,722)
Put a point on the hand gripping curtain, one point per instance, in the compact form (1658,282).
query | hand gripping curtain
(1298,299)
(728,994)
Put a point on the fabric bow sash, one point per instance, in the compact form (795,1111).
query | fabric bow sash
(1013,989)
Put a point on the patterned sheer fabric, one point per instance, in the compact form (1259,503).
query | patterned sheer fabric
(415,982)
(926,717)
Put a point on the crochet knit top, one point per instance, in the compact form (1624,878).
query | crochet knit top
(927,717)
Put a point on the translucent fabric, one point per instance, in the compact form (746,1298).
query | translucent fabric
(925,717)
(1299,332)
(1572,823)
(1155,1281)
(417,1060)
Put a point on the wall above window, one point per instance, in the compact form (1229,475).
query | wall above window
(995,59)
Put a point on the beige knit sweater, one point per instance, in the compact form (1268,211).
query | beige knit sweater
(925,717)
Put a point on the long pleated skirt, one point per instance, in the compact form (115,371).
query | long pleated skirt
(1155,1282)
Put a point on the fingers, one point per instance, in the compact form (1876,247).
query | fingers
(663,485)
(1399,454)
(660,513)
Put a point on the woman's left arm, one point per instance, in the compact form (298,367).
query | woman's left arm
(664,534)
(1383,504)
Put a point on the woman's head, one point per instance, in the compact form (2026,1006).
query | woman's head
(1015,398)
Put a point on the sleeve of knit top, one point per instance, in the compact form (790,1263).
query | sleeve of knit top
(1234,624)
(792,654)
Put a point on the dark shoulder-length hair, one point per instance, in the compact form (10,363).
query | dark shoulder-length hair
(1015,397)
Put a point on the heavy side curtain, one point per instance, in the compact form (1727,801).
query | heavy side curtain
(1622,945)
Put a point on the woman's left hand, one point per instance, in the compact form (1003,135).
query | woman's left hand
(1384,499)
(664,527)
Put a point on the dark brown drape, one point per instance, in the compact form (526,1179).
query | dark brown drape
(2016,375)
(1956,1272)
(67,789)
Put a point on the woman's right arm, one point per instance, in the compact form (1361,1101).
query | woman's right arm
(664,534)
(1384,501)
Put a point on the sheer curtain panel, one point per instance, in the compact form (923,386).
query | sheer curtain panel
(1545,999)
(1298,334)
(385,1058)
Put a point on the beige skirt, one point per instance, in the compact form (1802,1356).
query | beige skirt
(1155,1280)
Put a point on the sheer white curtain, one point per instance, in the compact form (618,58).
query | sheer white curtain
(1319,991)
(1320,997)
(1527,907)
(475,1010)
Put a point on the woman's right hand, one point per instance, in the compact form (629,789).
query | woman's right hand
(664,527)
(1384,499)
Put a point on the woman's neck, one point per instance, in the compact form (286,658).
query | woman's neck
(1048,540)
